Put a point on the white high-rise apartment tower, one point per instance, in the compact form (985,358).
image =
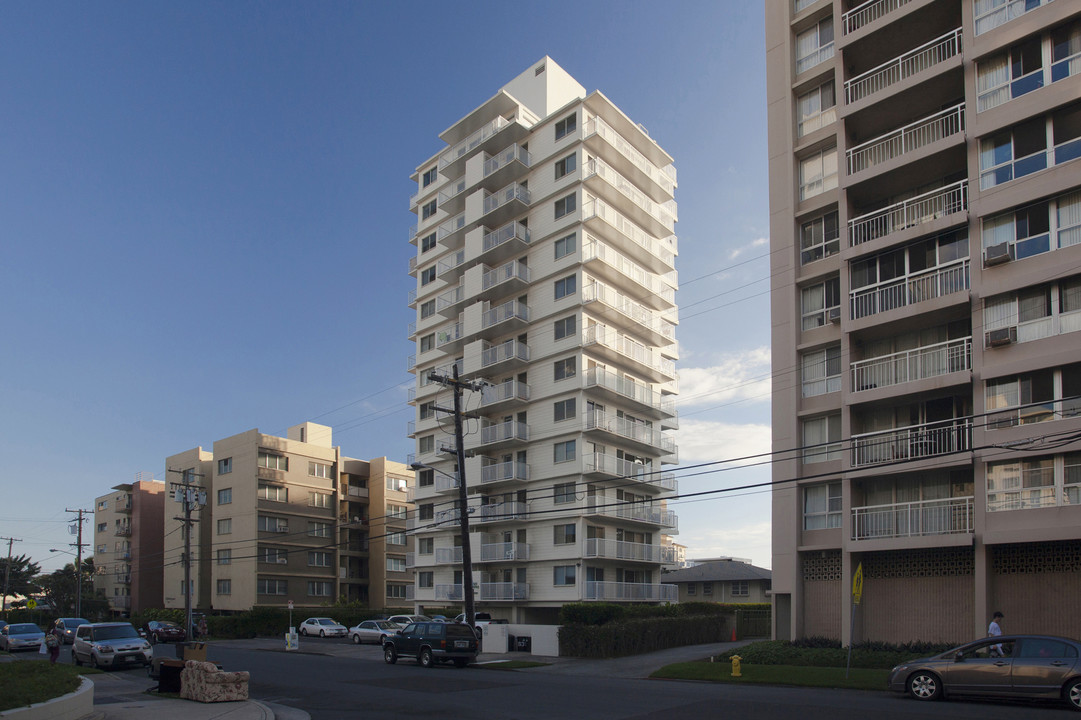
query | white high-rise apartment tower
(545,265)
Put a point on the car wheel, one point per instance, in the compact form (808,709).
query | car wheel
(1072,693)
(425,658)
(322,633)
(925,686)
(94,661)
(303,631)
(460,662)
(389,655)
(356,638)
(382,639)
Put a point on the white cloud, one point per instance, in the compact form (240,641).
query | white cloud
(756,243)
(752,540)
(706,441)
(738,376)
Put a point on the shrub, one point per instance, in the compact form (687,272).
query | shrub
(639,635)
(824,652)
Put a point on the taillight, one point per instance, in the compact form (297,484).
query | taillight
(443,644)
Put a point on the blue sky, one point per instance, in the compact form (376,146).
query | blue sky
(204,217)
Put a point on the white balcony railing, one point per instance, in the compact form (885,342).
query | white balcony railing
(465,146)
(637,431)
(507,311)
(502,511)
(631,309)
(496,471)
(913,136)
(628,347)
(499,198)
(447,335)
(629,388)
(912,442)
(451,226)
(640,512)
(509,350)
(507,390)
(904,66)
(663,213)
(663,249)
(949,516)
(448,592)
(597,126)
(505,551)
(504,591)
(1000,13)
(901,292)
(911,365)
(507,430)
(654,284)
(511,231)
(624,591)
(867,13)
(448,556)
(909,213)
(506,157)
(620,550)
(505,273)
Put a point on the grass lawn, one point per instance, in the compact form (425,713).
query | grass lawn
(827,677)
(25,683)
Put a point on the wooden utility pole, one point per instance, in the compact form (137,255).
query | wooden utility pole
(7,574)
(79,562)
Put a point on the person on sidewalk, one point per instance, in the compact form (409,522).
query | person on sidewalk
(52,644)
(995,630)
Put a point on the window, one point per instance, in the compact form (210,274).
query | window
(563,575)
(224,587)
(426,511)
(1032,397)
(1013,153)
(427,210)
(396,592)
(817,302)
(397,512)
(225,526)
(273,493)
(739,588)
(318,529)
(426,478)
(426,444)
(566,368)
(563,493)
(273,462)
(429,177)
(819,238)
(566,126)
(565,287)
(816,109)
(814,46)
(564,328)
(692,588)
(1010,74)
(565,534)
(1035,229)
(425,546)
(395,565)
(427,243)
(275,556)
(564,409)
(989,14)
(822,506)
(427,410)
(319,588)
(565,206)
(427,275)
(707,588)
(319,559)
(427,343)
(427,309)
(102,527)
(225,496)
(822,439)
(225,466)
(1065,51)
(1021,484)
(321,470)
(271,587)
(565,246)
(817,173)
(1034,313)
(397,538)
(225,557)
(103,505)
(565,166)
(821,371)
(426,579)
(564,451)
(319,500)
(883,275)
(269,523)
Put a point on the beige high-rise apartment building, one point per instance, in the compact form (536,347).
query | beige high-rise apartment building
(545,265)
(290,518)
(925,218)
(128,545)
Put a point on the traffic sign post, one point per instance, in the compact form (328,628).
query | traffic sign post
(857,595)
(291,642)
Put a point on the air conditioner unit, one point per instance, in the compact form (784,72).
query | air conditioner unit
(283,561)
(282,529)
(835,315)
(997,254)
(1001,336)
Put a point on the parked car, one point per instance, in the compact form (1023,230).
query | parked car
(374,631)
(111,644)
(480,620)
(404,620)
(67,626)
(21,636)
(323,627)
(431,643)
(164,631)
(1026,666)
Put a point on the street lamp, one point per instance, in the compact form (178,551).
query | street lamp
(78,580)
(467,552)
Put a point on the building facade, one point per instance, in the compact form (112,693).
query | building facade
(926,307)
(287,519)
(545,266)
(128,545)
(722,581)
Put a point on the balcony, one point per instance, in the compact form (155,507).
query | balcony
(504,552)
(510,471)
(907,139)
(506,204)
(450,268)
(914,211)
(451,593)
(123,504)
(507,317)
(867,13)
(509,432)
(950,516)
(912,365)
(505,591)
(816,57)
(452,200)
(446,304)
(509,391)
(505,279)
(448,556)
(623,388)
(444,484)
(616,347)
(123,579)
(635,432)
(631,315)
(449,338)
(504,355)
(912,443)
(659,218)
(903,67)
(501,512)
(448,231)
(619,550)
(630,160)
(637,512)
(410,561)
(613,466)
(656,255)
(505,166)
(902,292)
(122,531)
(120,602)
(1004,13)
(656,291)
(630,592)
(507,241)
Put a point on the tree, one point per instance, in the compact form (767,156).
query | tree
(60,591)
(20,575)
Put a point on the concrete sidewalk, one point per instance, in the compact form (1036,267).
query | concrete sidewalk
(123,697)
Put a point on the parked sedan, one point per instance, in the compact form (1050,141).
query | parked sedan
(67,626)
(323,627)
(21,636)
(165,631)
(1025,666)
(404,620)
(373,631)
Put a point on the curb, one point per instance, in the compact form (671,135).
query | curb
(74,705)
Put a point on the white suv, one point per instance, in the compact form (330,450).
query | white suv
(110,645)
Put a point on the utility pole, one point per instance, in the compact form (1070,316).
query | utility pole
(463,501)
(192,496)
(7,574)
(79,562)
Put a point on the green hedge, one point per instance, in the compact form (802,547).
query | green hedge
(618,638)
(260,622)
(603,613)
(820,652)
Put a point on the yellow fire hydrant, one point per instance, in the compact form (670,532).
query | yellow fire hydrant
(735,666)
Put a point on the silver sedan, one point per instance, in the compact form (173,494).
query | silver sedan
(373,631)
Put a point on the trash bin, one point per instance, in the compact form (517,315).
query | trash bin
(524,644)
(169,676)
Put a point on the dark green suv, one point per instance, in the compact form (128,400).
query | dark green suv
(431,643)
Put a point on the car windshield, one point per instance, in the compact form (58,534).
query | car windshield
(115,632)
(169,625)
(326,621)
(23,628)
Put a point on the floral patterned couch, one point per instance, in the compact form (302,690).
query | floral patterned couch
(204,682)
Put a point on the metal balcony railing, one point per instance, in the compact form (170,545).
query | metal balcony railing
(911,365)
(448,592)
(505,273)
(867,13)
(507,430)
(904,66)
(511,231)
(606,464)
(504,591)
(502,511)
(640,512)
(504,552)
(448,556)
(506,157)
(514,191)
(909,213)
(620,550)
(640,432)
(907,139)
(597,126)
(507,390)
(509,350)
(912,442)
(631,309)
(629,388)
(513,310)
(664,213)
(663,249)
(627,592)
(654,284)
(464,147)
(949,516)
(451,226)
(901,292)
(628,347)
(495,471)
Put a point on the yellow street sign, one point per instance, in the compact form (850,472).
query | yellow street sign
(857,584)
(31,604)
